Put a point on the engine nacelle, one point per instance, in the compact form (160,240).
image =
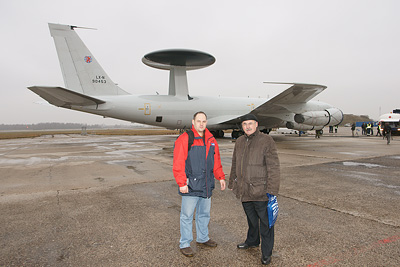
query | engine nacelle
(331,116)
(302,127)
(336,116)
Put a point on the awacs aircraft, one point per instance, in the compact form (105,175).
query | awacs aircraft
(89,89)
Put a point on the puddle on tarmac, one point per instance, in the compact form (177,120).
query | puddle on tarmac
(368,165)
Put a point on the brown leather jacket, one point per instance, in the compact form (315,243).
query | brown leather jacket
(255,168)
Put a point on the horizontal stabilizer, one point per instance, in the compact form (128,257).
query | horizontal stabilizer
(62,97)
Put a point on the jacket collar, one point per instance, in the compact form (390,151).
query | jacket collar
(207,133)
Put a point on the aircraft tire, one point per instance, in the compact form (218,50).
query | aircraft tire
(236,134)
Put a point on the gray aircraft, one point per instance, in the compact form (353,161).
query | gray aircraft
(89,89)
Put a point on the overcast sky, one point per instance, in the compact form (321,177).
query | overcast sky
(351,46)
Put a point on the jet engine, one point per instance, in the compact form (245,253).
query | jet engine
(302,127)
(331,116)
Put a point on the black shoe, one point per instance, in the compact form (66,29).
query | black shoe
(244,245)
(266,260)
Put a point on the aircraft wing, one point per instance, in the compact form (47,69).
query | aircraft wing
(298,93)
(62,97)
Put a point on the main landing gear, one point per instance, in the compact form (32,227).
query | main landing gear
(218,133)
(236,134)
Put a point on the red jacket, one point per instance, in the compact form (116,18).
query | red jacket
(181,154)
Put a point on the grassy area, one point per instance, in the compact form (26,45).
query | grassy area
(32,134)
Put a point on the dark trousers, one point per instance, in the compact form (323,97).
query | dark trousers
(257,218)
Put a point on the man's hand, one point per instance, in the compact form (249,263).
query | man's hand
(184,189)
(223,184)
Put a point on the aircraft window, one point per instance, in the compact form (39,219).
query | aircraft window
(159,119)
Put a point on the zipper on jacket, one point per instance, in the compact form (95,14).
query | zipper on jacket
(205,144)
(245,150)
(241,165)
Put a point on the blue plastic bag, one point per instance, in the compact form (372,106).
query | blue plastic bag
(272,209)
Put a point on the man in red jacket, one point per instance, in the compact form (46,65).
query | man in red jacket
(194,170)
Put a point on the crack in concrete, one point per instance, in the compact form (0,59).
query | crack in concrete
(342,211)
(58,198)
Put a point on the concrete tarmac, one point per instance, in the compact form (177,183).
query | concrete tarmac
(72,200)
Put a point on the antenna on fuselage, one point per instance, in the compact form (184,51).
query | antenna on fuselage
(178,61)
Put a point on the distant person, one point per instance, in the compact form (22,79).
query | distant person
(194,170)
(318,133)
(363,129)
(255,172)
(369,129)
(336,128)
(353,128)
(388,132)
(378,130)
(330,129)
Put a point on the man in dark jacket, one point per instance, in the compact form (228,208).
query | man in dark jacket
(194,171)
(255,172)
(387,132)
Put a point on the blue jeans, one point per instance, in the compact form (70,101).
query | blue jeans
(203,207)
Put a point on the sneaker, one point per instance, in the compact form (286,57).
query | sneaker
(188,252)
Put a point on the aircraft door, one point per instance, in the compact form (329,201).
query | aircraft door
(147,109)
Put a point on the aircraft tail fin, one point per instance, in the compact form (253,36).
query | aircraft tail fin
(81,71)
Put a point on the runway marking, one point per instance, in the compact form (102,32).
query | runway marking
(354,252)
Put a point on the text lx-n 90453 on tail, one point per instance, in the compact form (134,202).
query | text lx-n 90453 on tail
(89,89)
